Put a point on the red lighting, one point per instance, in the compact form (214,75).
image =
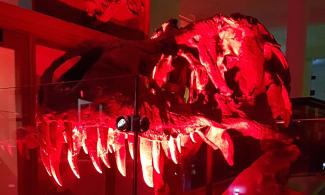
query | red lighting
(205,81)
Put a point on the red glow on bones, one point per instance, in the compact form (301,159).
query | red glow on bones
(206,52)
(150,149)
(104,10)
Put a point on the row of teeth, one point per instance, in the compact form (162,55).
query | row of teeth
(97,142)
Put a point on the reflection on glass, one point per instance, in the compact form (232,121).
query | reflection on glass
(8,123)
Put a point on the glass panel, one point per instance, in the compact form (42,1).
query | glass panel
(8,123)
(79,140)
(66,144)
(75,128)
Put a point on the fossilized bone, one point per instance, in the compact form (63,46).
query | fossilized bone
(103,10)
(196,83)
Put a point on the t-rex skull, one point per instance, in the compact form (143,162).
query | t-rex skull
(195,83)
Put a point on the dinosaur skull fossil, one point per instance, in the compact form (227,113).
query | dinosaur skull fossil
(196,83)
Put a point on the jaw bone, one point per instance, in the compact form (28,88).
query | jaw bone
(96,138)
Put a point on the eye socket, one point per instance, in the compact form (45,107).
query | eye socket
(74,69)
(67,65)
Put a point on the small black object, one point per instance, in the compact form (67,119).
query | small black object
(134,123)
(313,77)
(123,123)
(144,124)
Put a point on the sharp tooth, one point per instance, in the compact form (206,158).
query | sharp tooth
(56,175)
(131,145)
(65,137)
(110,148)
(156,155)
(55,156)
(72,138)
(178,143)
(214,135)
(91,144)
(110,140)
(192,137)
(44,146)
(206,140)
(105,161)
(83,141)
(72,160)
(95,162)
(227,148)
(120,160)
(164,145)
(67,134)
(185,140)
(45,160)
(159,180)
(146,161)
(223,141)
(120,153)
(101,151)
(103,156)
(172,149)
(76,140)
(131,150)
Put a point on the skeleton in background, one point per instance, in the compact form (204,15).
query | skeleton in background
(196,83)
(103,10)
